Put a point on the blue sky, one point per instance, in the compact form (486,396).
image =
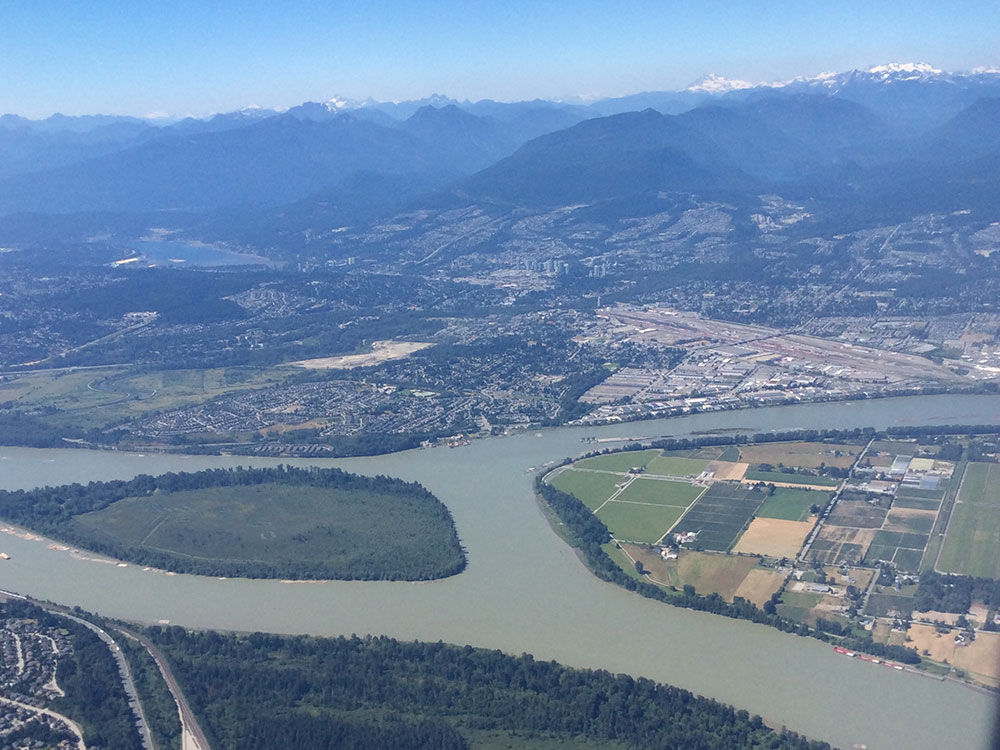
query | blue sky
(182,57)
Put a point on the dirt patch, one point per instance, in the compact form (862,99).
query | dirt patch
(981,658)
(728,471)
(382,351)
(759,584)
(774,537)
(848,534)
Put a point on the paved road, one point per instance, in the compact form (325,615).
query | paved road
(126,675)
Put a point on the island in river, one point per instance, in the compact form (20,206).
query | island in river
(524,590)
(254,523)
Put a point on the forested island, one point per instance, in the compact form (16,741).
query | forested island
(263,691)
(254,523)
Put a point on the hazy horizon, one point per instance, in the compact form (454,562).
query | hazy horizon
(188,59)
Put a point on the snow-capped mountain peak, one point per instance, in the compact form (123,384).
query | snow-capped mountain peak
(714,84)
(892,69)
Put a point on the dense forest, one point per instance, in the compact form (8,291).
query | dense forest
(94,697)
(260,692)
(428,549)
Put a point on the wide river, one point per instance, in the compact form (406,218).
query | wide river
(525,590)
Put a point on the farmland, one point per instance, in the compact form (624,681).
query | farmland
(973,536)
(792,504)
(802,455)
(591,487)
(721,514)
(780,477)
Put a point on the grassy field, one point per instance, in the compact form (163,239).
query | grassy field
(791,504)
(782,477)
(972,544)
(335,531)
(720,515)
(639,523)
(591,488)
(803,455)
(678,467)
(661,492)
(620,462)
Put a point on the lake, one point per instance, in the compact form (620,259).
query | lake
(525,590)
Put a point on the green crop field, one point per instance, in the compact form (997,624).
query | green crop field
(639,523)
(661,492)
(780,476)
(792,504)
(972,544)
(678,467)
(591,488)
(620,462)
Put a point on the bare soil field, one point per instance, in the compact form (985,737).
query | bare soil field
(759,584)
(774,537)
(382,351)
(980,659)
(728,471)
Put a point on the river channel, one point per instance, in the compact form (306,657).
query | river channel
(525,591)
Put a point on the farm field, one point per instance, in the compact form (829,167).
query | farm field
(619,462)
(260,529)
(721,514)
(902,548)
(792,504)
(759,585)
(803,455)
(774,537)
(857,514)
(590,487)
(973,536)
(780,477)
(707,572)
(660,492)
(981,658)
(678,467)
(838,544)
(639,523)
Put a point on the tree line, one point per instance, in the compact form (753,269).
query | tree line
(262,691)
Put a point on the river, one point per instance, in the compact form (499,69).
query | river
(525,591)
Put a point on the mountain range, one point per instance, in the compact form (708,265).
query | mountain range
(887,140)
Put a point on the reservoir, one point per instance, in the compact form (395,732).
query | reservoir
(185,254)
(525,591)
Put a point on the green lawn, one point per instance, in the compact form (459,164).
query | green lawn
(639,523)
(780,476)
(972,545)
(661,492)
(620,462)
(792,504)
(678,467)
(589,487)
